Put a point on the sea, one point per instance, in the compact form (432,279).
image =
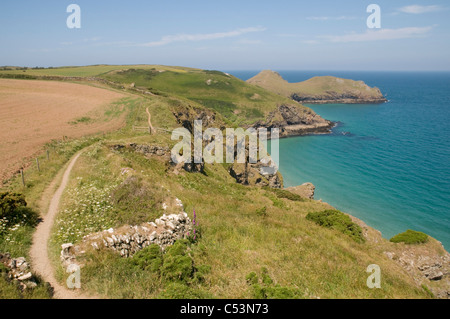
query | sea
(387,164)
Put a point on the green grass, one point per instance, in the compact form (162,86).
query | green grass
(410,237)
(83,71)
(215,90)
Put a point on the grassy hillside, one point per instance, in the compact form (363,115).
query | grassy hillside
(83,71)
(239,102)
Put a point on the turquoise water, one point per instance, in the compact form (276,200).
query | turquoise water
(387,164)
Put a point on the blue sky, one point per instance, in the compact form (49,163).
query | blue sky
(229,35)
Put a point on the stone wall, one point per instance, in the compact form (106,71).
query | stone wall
(128,240)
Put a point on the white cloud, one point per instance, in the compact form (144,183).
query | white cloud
(381,34)
(331,18)
(417,9)
(168,39)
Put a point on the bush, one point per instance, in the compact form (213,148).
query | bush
(410,237)
(282,193)
(13,210)
(177,266)
(266,289)
(339,221)
(149,258)
(262,211)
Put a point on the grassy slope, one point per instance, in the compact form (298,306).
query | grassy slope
(236,239)
(315,86)
(87,71)
(239,102)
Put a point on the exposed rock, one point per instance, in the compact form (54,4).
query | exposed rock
(293,120)
(250,174)
(18,270)
(305,190)
(428,264)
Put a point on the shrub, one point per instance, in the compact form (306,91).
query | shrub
(177,266)
(266,289)
(282,193)
(410,237)
(13,210)
(262,211)
(149,258)
(339,221)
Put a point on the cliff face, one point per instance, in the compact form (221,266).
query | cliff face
(320,90)
(293,120)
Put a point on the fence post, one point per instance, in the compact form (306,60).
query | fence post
(37,163)
(48,155)
(23,177)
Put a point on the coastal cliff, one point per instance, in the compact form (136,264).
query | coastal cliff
(320,89)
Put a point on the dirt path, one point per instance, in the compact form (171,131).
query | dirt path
(39,250)
(150,121)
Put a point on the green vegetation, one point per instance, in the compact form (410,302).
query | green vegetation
(339,221)
(264,287)
(410,237)
(282,193)
(225,94)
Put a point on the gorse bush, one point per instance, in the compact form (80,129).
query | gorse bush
(410,237)
(339,221)
(282,193)
(150,258)
(175,265)
(263,287)
(14,211)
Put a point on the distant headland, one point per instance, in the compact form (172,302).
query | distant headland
(320,89)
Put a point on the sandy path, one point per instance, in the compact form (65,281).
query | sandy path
(39,250)
(150,121)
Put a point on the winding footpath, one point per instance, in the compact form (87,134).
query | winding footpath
(39,250)
(150,121)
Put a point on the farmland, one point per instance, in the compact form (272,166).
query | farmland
(32,113)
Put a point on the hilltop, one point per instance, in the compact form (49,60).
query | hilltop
(320,89)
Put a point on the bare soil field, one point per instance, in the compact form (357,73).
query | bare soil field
(32,113)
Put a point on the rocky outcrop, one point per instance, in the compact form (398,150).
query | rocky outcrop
(331,97)
(428,264)
(19,271)
(162,152)
(305,190)
(128,240)
(293,120)
(251,174)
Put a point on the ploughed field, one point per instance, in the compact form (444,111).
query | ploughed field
(33,113)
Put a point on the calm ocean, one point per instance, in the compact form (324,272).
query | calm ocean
(386,164)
